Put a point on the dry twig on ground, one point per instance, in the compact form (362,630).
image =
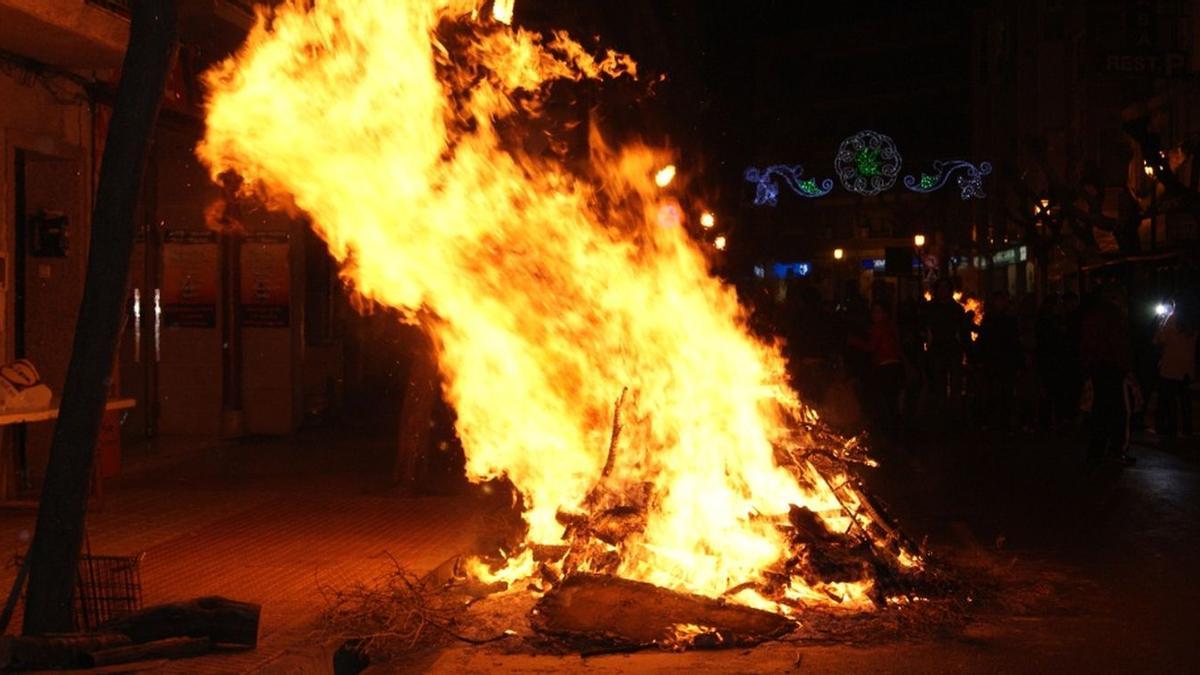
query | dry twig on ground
(397,613)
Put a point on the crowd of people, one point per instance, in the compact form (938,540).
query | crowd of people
(942,359)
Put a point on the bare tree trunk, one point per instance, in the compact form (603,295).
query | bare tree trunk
(56,543)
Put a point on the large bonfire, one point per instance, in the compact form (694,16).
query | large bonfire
(589,354)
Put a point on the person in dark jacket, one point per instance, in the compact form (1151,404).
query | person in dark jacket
(886,379)
(1106,355)
(947,329)
(1000,354)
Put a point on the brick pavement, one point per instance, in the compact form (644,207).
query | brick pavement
(266,523)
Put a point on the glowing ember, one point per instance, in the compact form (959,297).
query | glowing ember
(396,127)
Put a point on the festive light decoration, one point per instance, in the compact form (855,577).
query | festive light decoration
(838,254)
(707,220)
(970,180)
(868,163)
(767,190)
(919,240)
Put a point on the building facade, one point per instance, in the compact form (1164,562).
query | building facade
(232,326)
(1067,97)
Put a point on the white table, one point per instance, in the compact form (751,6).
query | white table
(43,414)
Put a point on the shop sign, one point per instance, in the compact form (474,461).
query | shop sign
(1011,256)
(265,280)
(190,274)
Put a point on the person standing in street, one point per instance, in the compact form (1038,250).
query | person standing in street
(1000,353)
(1107,358)
(946,323)
(887,369)
(1176,372)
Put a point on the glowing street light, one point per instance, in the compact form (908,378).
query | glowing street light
(664,176)
(502,11)
(707,220)
(838,254)
(720,242)
(919,240)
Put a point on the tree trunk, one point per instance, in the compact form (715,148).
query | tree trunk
(56,543)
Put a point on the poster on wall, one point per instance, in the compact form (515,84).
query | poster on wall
(266,280)
(190,276)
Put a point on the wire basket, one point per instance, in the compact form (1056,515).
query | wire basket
(106,587)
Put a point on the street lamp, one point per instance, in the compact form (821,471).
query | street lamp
(919,240)
(664,176)
(838,254)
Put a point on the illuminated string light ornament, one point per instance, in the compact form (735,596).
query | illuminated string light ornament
(867,163)
(767,190)
(970,179)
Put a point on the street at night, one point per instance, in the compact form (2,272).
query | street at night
(374,336)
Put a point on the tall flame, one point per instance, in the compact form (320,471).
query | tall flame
(546,293)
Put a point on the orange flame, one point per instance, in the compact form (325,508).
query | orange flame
(549,292)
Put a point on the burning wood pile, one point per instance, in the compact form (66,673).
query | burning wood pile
(415,137)
(868,554)
(868,564)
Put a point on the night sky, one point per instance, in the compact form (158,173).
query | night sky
(778,82)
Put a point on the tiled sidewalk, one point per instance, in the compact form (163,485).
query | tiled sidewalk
(266,523)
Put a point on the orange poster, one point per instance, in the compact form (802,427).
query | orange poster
(190,277)
(266,280)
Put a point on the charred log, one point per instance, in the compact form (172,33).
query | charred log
(601,613)
(170,648)
(221,620)
(59,651)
